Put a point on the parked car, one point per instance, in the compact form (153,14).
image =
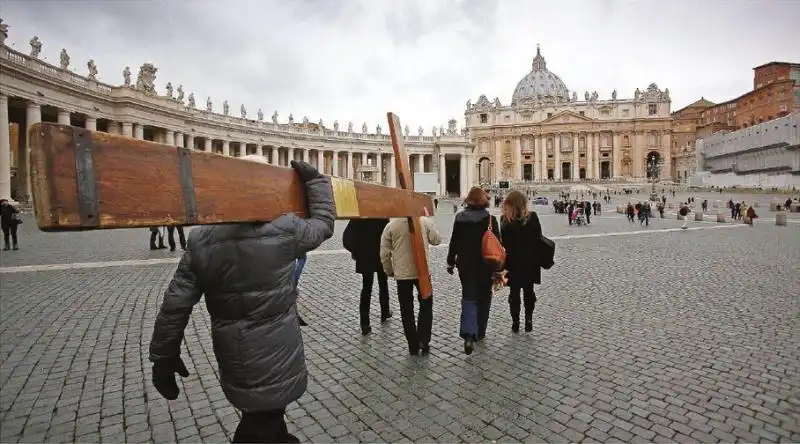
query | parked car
(540,200)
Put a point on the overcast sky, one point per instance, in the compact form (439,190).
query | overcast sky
(423,59)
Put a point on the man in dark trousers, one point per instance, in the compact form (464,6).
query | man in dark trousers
(171,237)
(245,271)
(398,262)
(362,238)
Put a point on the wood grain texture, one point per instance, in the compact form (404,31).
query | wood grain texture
(138,185)
(414,224)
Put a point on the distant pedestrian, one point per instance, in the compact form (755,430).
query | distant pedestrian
(9,221)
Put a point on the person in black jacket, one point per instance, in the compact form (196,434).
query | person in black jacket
(362,238)
(245,274)
(9,222)
(466,253)
(521,232)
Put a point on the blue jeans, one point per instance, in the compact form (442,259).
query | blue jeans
(298,268)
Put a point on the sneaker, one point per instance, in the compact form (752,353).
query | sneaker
(424,350)
(16,247)
(365,330)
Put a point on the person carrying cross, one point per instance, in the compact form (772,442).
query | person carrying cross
(246,272)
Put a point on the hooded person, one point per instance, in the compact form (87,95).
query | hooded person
(246,273)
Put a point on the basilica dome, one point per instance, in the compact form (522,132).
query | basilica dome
(540,85)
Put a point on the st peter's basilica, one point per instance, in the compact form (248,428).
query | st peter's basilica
(547,134)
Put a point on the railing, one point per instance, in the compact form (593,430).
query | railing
(41,67)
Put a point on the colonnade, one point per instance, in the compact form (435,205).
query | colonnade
(362,164)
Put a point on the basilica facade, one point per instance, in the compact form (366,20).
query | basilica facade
(547,134)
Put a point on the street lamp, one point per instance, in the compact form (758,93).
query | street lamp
(654,165)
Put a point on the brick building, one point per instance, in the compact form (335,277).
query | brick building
(776,93)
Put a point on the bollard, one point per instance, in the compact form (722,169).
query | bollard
(794,207)
(774,205)
(621,209)
(780,219)
(698,216)
(721,216)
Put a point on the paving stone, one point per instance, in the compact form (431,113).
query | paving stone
(684,363)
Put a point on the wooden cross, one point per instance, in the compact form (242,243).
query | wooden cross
(414,226)
(85,180)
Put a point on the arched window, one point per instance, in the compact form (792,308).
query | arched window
(626,141)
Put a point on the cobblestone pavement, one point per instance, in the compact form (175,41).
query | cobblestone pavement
(679,336)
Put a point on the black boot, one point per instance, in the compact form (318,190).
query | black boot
(515,325)
(386,316)
(469,345)
(16,247)
(365,330)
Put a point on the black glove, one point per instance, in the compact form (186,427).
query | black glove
(164,376)
(305,171)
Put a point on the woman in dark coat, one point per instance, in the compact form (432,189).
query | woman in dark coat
(520,234)
(362,238)
(466,253)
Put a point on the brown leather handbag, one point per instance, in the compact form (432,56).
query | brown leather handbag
(493,251)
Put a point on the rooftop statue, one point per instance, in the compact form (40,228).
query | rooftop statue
(126,75)
(36,46)
(180,93)
(260,115)
(209,105)
(191,101)
(275,117)
(92,70)
(225,107)
(3,32)
(169,89)
(64,59)
(243,111)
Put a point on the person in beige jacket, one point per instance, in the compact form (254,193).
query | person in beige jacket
(398,262)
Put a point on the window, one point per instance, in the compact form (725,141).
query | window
(604,112)
(652,109)
(651,139)
(582,113)
(484,118)
(507,118)
(549,115)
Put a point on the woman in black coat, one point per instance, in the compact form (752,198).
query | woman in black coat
(362,238)
(520,234)
(466,253)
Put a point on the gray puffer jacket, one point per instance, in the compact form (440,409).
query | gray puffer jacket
(245,272)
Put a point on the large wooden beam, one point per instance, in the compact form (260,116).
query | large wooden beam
(84,180)
(414,225)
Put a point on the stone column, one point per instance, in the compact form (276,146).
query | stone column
(321,161)
(63,117)
(335,162)
(379,165)
(226,148)
(290,156)
(543,157)
(170,137)
(207,145)
(596,147)
(190,141)
(91,124)
(138,131)
(392,171)
(305,155)
(576,158)
(557,157)
(589,156)
(617,153)
(33,114)
(420,163)
(442,175)
(127,129)
(179,139)
(518,160)
(349,171)
(5,150)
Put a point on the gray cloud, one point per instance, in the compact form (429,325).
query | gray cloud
(355,59)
